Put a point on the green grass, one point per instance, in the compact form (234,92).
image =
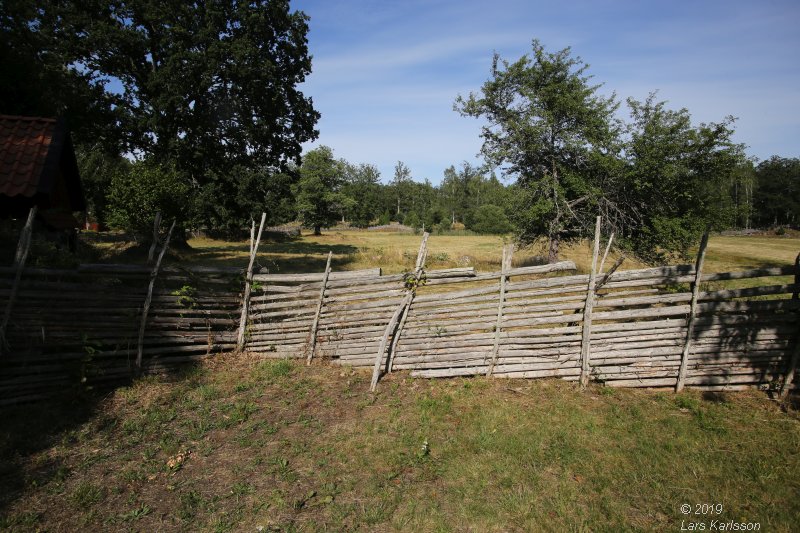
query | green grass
(296,448)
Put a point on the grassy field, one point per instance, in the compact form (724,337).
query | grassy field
(242,444)
(396,252)
(248,445)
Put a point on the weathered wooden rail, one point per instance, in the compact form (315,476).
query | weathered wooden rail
(73,327)
(81,327)
(634,332)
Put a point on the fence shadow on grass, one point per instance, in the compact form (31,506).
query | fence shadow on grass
(281,257)
(69,416)
(30,428)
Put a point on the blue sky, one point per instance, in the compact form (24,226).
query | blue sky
(385,73)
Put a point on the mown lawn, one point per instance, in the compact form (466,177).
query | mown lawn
(254,445)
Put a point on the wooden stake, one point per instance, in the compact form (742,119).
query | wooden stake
(508,252)
(792,368)
(608,275)
(20,258)
(587,310)
(422,256)
(312,343)
(252,234)
(156,226)
(247,287)
(25,237)
(608,247)
(149,298)
(698,272)
(401,309)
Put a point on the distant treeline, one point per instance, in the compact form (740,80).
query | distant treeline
(194,110)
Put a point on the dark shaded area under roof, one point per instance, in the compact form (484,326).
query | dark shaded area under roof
(38,167)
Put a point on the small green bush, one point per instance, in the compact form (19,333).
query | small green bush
(489,219)
(137,194)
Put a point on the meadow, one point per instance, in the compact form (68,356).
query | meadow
(252,445)
(396,252)
(244,444)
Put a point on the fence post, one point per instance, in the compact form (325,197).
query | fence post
(248,282)
(20,258)
(154,244)
(508,252)
(149,298)
(312,343)
(422,256)
(402,309)
(698,272)
(605,254)
(587,309)
(792,368)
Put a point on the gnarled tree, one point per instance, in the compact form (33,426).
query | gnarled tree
(547,126)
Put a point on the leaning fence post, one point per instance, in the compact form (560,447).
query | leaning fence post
(252,234)
(587,310)
(422,256)
(312,342)
(605,254)
(792,368)
(687,345)
(20,258)
(402,309)
(149,298)
(508,252)
(248,282)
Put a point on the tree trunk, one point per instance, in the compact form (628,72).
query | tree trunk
(553,252)
(317,230)
(179,240)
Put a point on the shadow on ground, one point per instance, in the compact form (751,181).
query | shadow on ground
(29,428)
(277,257)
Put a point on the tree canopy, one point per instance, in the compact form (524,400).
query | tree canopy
(201,87)
(320,200)
(676,176)
(658,181)
(777,198)
(547,126)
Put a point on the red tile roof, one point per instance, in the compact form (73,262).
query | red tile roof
(24,145)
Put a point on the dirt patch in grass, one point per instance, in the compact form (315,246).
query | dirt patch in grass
(241,444)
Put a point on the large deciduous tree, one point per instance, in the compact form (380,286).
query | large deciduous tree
(203,87)
(40,77)
(677,179)
(547,126)
(362,183)
(318,192)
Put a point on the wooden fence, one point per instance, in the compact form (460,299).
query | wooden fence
(516,323)
(657,327)
(80,327)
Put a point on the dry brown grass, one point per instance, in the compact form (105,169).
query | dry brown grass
(396,252)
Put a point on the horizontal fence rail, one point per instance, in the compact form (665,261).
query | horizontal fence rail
(71,328)
(638,330)
(77,327)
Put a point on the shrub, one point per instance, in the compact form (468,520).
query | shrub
(137,194)
(413,220)
(489,219)
(384,219)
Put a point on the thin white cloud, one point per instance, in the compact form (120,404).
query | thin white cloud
(385,74)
